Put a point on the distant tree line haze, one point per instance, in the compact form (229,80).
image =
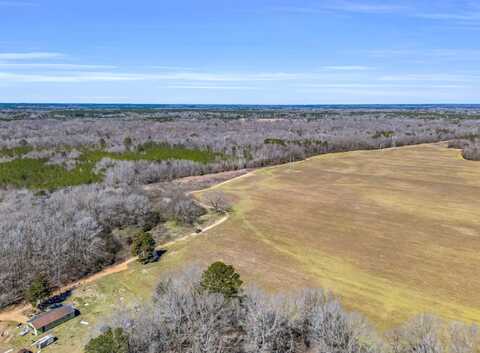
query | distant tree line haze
(40,152)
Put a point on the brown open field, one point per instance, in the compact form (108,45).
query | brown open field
(393,232)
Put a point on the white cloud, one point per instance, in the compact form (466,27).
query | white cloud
(223,77)
(344,6)
(386,53)
(54,66)
(76,77)
(298,9)
(334,80)
(377,85)
(176,68)
(420,53)
(213,87)
(380,86)
(475,16)
(234,81)
(430,78)
(95,98)
(30,56)
(355,6)
(467,13)
(347,68)
(84,76)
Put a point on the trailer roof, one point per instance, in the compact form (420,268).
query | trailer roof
(51,316)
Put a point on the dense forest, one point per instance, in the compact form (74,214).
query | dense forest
(68,179)
(46,153)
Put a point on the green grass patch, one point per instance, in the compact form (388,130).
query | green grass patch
(152,151)
(383,133)
(37,174)
(98,300)
(16,151)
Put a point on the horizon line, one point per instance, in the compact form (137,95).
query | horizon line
(227,104)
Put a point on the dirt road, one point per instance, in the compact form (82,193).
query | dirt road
(17,313)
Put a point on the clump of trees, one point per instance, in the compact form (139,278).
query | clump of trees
(184,318)
(38,291)
(221,279)
(471,151)
(110,341)
(143,246)
(64,235)
(67,234)
(176,205)
(470,147)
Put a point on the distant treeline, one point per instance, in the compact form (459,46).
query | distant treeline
(55,153)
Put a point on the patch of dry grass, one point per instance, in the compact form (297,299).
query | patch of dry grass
(393,232)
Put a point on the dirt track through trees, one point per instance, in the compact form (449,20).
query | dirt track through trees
(17,313)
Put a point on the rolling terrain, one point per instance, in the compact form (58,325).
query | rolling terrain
(393,232)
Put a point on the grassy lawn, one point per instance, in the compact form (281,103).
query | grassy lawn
(36,174)
(16,151)
(152,152)
(98,300)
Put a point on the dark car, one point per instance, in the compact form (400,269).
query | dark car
(54,306)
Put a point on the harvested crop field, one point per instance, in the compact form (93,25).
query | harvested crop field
(393,232)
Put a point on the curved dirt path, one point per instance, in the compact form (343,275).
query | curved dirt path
(16,313)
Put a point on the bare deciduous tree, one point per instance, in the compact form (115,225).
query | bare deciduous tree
(218,201)
(64,235)
(183,318)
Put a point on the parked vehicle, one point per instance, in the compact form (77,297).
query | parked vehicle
(54,306)
(45,341)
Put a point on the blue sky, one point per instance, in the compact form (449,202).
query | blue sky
(242,52)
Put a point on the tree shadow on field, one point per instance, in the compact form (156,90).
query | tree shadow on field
(159,254)
(55,301)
